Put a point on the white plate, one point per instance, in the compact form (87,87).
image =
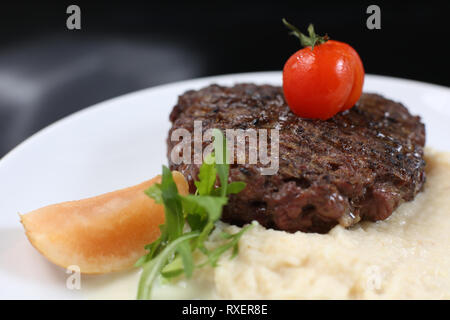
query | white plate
(119,143)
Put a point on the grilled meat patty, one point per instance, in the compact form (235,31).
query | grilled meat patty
(359,165)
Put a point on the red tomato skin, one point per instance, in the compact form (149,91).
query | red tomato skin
(358,80)
(321,82)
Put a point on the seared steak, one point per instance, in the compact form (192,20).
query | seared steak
(359,165)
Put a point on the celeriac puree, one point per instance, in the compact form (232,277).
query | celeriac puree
(406,256)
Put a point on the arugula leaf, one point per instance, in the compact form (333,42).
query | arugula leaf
(235,187)
(214,255)
(212,205)
(173,269)
(207,176)
(171,255)
(152,269)
(174,219)
(222,165)
(186,256)
(154,248)
(154,192)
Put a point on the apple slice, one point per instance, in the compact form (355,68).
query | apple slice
(102,234)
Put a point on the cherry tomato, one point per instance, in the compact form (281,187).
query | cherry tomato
(323,78)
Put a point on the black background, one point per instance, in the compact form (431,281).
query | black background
(47,71)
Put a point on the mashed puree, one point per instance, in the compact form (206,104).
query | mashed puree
(404,257)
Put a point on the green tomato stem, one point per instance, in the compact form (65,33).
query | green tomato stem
(305,41)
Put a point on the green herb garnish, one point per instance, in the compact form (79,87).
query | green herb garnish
(189,220)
